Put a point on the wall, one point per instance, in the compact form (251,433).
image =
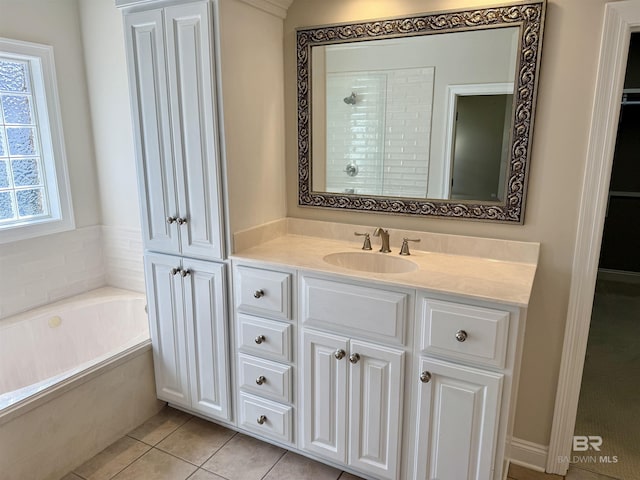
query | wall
(566,92)
(252,85)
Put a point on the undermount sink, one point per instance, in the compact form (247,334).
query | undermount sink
(370,262)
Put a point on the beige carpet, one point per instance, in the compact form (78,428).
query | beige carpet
(610,396)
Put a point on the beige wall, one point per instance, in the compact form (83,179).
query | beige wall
(57,23)
(252,85)
(104,54)
(566,92)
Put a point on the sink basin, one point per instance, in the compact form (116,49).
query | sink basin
(370,262)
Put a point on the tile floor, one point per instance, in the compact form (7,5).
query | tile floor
(174,445)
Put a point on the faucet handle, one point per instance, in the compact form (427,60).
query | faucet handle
(367,240)
(404,250)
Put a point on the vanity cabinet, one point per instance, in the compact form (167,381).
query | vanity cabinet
(458,405)
(352,402)
(171,78)
(352,373)
(188,322)
(265,362)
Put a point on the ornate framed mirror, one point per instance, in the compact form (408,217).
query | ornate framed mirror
(425,115)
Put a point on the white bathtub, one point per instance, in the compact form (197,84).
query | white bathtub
(63,341)
(81,368)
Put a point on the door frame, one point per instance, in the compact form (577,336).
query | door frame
(620,19)
(453,92)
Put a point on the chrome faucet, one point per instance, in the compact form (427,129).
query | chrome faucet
(384,237)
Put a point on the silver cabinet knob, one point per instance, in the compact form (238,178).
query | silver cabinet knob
(171,220)
(261,419)
(258,293)
(181,220)
(339,354)
(259,339)
(261,379)
(185,272)
(175,271)
(425,377)
(461,335)
(354,358)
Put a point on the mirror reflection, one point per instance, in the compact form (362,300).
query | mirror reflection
(417,117)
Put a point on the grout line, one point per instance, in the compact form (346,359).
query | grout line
(218,449)
(274,465)
(133,461)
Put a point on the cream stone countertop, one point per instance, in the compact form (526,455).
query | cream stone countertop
(505,282)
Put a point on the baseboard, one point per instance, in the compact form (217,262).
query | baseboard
(528,454)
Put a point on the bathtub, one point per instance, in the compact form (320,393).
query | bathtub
(80,367)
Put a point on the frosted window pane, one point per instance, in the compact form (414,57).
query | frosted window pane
(21,141)
(3,151)
(30,202)
(17,109)
(6,206)
(4,174)
(13,76)
(26,172)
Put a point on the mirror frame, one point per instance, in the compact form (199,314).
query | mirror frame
(529,17)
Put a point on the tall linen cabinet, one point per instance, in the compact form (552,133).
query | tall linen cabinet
(172,80)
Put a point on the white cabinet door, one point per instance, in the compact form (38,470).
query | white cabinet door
(324,403)
(168,329)
(458,413)
(377,377)
(205,313)
(145,44)
(194,129)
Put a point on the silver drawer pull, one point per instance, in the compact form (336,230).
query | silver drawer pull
(461,335)
(261,379)
(181,220)
(259,339)
(425,377)
(354,358)
(171,220)
(261,419)
(175,271)
(258,293)
(339,354)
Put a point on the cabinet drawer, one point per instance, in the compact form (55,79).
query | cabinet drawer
(264,378)
(265,338)
(267,418)
(263,292)
(464,332)
(355,310)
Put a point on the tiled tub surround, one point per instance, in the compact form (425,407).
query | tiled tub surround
(92,381)
(43,270)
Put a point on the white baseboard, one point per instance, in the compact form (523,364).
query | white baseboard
(528,454)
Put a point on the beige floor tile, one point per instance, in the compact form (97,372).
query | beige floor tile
(196,440)
(71,476)
(204,475)
(112,459)
(157,465)
(520,473)
(296,467)
(244,458)
(160,426)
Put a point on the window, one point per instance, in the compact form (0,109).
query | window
(34,185)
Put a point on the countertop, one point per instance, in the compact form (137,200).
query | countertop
(505,282)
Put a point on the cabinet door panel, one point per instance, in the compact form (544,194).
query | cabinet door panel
(204,289)
(458,411)
(376,409)
(194,128)
(324,403)
(150,114)
(167,326)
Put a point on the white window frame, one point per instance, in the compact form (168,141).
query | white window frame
(51,142)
